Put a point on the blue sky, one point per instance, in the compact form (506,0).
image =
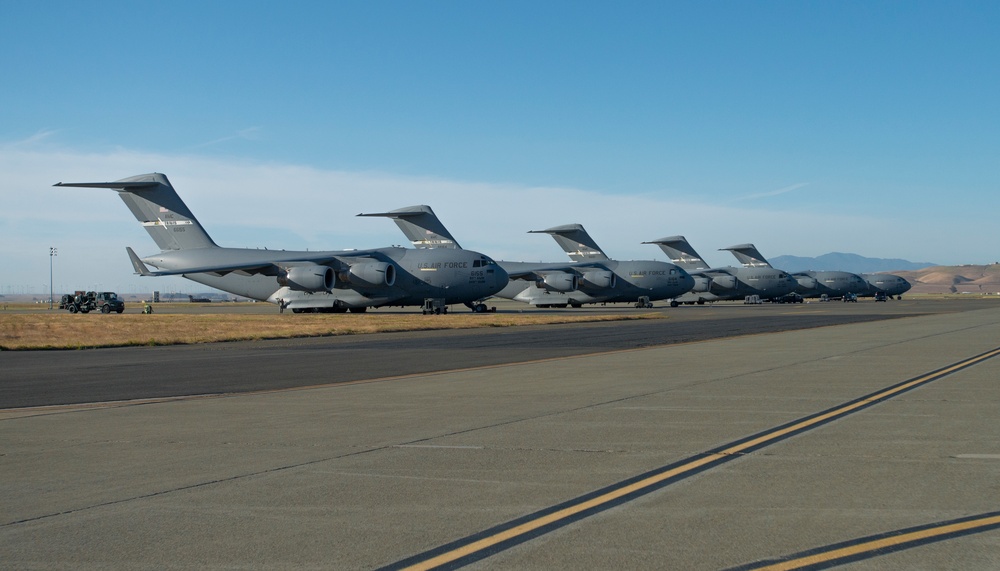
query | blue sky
(803,127)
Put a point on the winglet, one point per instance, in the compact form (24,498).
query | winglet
(140,268)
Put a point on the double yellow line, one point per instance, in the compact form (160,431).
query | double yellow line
(504,536)
(880,544)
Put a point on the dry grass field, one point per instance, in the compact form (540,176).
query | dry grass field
(38,330)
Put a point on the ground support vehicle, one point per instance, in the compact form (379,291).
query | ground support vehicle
(87,301)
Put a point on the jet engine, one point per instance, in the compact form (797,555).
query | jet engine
(598,279)
(807,282)
(701,284)
(307,277)
(558,281)
(371,274)
(723,284)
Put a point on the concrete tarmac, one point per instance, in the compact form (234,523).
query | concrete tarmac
(368,473)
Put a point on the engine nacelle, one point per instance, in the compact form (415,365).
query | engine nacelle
(309,277)
(598,279)
(559,281)
(723,283)
(701,284)
(807,282)
(371,274)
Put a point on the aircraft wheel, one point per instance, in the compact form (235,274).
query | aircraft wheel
(358,309)
(674,304)
(479,308)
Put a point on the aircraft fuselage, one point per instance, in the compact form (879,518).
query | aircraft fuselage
(733,283)
(457,276)
(829,283)
(631,280)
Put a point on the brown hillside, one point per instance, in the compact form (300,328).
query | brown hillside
(954,279)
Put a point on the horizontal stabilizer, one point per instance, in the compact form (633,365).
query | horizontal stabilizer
(575,241)
(681,252)
(156,206)
(120,185)
(421,226)
(748,255)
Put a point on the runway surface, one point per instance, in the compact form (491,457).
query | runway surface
(727,437)
(39,378)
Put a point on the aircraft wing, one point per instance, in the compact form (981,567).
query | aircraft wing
(260,263)
(541,272)
(218,269)
(718,272)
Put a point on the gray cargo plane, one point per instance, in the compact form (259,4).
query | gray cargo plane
(829,283)
(590,278)
(330,281)
(727,283)
(889,284)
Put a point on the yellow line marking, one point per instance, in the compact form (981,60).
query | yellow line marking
(880,544)
(570,511)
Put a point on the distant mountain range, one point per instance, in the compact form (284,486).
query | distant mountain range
(845,262)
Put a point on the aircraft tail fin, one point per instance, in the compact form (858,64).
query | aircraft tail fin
(421,226)
(749,256)
(575,241)
(155,204)
(681,252)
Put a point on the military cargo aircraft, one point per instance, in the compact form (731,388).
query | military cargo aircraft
(889,284)
(726,283)
(829,283)
(330,281)
(590,278)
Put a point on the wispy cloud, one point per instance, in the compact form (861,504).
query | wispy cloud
(780,191)
(36,139)
(248,134)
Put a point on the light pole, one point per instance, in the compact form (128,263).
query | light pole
(53,252)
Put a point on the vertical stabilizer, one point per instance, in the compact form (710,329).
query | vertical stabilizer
(421,226)
(163,214)
(681,252)
(575,241)
(748,255)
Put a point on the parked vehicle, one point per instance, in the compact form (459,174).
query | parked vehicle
(87,301)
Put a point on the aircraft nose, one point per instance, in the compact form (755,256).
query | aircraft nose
(688,281)
(500,277)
